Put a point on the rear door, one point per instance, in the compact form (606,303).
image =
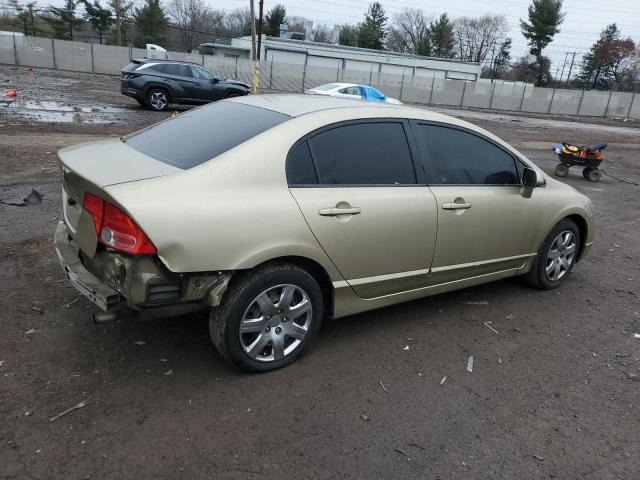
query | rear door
(485,225)
(357,187)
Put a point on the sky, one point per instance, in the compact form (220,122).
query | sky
(583,22)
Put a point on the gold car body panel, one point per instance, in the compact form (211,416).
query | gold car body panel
(394,232)
(237,211)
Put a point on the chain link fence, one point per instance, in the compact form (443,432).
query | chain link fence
(296,78)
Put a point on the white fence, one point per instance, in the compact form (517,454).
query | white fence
(285,77)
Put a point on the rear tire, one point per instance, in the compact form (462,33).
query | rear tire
(556,257)
(268,317)
(562,170)
(592,174)
(158,99)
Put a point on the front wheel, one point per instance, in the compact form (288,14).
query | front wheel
(556,257)
(267,318)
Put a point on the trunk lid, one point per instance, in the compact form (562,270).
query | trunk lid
(93,166)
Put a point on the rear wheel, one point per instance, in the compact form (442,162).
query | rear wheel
(562,170)
(556,257)
(268,317)
(157,99)
(592,174)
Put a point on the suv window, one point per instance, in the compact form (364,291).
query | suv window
(198,135)
(201,73)
(456,157)
(371,153)
(177,69)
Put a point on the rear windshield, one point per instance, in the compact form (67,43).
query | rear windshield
(198,135)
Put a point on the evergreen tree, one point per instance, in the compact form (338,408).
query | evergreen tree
(442,39)
(25,13)
(545,17)
(372,30)
(99,17)
(151,23)
(348,36)
(63,20)
(273,19)
(122,19)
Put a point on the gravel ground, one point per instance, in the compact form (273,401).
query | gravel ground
(553,394)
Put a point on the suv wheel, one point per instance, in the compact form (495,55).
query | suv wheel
(556,257)
(157,99)
(268,317)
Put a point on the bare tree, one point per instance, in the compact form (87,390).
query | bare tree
(321,34)
(409,33)
(477,37)
(195,21)
(238,23)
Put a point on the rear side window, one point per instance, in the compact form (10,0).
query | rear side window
(300,169)
(375,153)
(198,135)
(456,157)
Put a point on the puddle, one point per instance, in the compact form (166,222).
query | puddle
(54,112)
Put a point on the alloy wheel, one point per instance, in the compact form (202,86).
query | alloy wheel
(560,256)
(159,100)
(275,323)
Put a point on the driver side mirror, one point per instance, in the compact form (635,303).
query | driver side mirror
(215,80)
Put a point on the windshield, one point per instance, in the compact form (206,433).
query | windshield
(199,72)
(198,135)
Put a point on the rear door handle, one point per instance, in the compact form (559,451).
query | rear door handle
(456,206)
(332,212)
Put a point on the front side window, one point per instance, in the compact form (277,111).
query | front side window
(457,157)
(201,73)
(373,153)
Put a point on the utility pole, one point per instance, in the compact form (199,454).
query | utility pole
(573,57)
(260,9)
(254,73)
(563,65)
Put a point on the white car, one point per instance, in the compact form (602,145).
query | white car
(352,90)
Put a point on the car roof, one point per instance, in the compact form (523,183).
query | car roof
(295,105)
(162,60)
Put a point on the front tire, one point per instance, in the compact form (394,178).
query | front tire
(562,170)
(267,318)
(158,99)
(557,256)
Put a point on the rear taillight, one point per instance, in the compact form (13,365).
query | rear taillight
(129,76)
(115,229)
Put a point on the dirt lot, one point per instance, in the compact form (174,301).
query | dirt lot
(554,395)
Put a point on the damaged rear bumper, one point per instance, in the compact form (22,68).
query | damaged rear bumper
(114,281)
(101,294)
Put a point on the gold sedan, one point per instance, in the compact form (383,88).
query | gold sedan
(274,212)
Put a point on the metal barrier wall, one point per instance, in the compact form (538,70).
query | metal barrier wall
(296,78)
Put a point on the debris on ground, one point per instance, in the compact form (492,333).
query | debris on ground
(499,361)
(417,445)
(33,198)
(140,342)
(67,305)
(31,331)
(510,316)
(364,418)
(383,387)
(444,379)
(406,347)
(12,92)
(400,452)
(168,372)
(36,308)
(470,364)
(486,324)
(482,302)
(538,457)
(1,363)
(636,335)
(82,404)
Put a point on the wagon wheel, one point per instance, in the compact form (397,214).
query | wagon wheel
(562,170)
(592,174)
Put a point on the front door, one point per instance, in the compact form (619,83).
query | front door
(363,203)
(485,225)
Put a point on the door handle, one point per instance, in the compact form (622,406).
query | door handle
(456,206)
(333,212)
